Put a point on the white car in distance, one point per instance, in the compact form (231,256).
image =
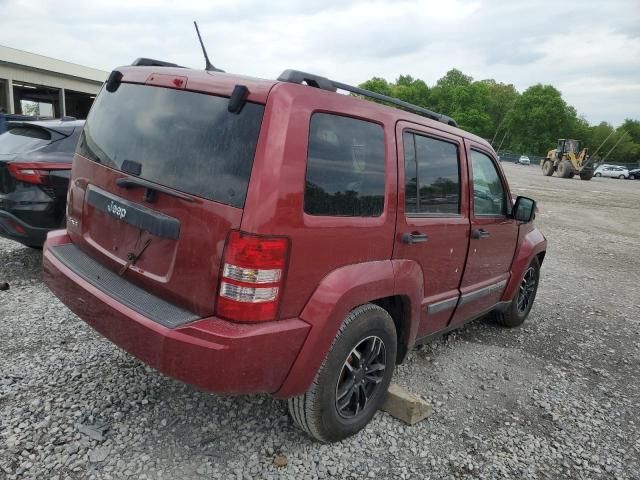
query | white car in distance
(613,171)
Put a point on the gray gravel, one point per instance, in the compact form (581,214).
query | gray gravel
(557,398)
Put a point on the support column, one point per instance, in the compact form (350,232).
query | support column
(12,108)
(63,104)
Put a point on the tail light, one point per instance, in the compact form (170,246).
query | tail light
(35,173)
(251,278)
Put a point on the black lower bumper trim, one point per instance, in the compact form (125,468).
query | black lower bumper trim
(134,297)
(31,236)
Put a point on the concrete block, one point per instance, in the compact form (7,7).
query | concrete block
(405,406)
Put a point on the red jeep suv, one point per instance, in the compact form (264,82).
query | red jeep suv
(247,235)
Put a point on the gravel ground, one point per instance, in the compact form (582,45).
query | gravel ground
(556,398)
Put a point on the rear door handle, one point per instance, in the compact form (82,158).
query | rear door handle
(414,237)
(479,233)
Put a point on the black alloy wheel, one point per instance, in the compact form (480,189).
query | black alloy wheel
(527,290)
(361,376)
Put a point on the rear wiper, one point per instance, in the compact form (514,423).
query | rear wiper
(133,182)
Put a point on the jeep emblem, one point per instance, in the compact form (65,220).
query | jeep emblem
(116,210)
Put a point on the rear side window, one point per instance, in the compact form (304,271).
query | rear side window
(345,167)
(67,145)
(23,139)
(185,140)
(432,176)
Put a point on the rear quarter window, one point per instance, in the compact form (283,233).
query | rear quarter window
(23,140)
(345,167)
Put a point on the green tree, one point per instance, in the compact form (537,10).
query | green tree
(30,108)
(411,90)
(538,118)
(502,97)
(378,85)
(454,78)
(530,122)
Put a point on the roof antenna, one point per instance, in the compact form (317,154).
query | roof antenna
(209,66)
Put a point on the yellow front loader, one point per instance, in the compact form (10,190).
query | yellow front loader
(568,160)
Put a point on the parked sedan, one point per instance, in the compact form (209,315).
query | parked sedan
(523,160)
(613,171)
(634,174)
(35,164)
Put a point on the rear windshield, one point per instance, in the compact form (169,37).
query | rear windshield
(23,139)
(185,140)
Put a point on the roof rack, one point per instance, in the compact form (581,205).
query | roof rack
(150,62)
(316,81)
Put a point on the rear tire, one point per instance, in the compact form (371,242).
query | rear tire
(547,168)
(586,174)
(349,374)
(565,170)
(520,306)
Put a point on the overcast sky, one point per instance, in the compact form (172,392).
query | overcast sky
(590,50)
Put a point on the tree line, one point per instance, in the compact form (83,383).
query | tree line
(530,122)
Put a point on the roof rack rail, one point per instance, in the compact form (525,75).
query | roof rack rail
(150,62)
(316,81)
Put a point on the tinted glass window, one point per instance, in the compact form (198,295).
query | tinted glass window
(66,145)
(23,139)
(70,143)
(345,167)
(432,175)
(488,193)
(185,140)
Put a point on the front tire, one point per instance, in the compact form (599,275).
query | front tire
(598,174)
(586,175)
(621,177)
(520,306)
(353,380)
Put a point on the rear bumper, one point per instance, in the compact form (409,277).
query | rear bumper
(210,353)
(13,228)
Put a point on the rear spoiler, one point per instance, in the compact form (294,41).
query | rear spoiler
(20,123)
(150,62)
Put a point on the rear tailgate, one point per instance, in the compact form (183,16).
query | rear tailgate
(159,180)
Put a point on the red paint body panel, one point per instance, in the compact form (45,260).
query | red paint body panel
(337,294)
(489,259)
(334,263)
(199,81)
(169,268)
(442,258)
(275,197)
(212,354)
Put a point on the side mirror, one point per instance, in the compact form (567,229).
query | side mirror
(524,209)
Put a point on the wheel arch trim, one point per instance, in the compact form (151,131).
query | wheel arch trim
(532,245)
(338,293)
